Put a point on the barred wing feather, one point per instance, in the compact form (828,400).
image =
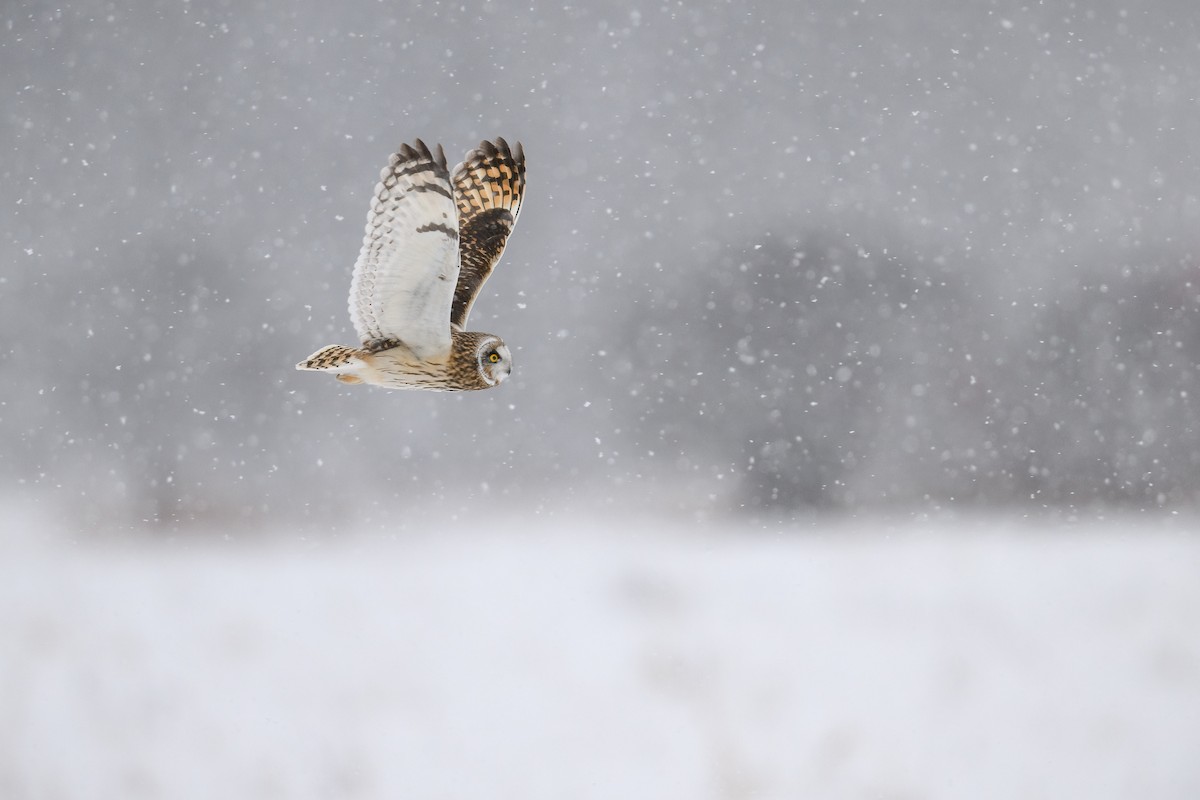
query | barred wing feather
(488,187)
(407,270)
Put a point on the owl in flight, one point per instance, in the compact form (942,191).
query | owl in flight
(433,237)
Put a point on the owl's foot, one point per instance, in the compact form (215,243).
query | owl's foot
(375,345)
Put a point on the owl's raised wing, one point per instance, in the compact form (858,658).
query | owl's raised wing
(407,269)
(488,186)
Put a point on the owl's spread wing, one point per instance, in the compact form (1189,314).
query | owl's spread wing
(407,269)
(488,186)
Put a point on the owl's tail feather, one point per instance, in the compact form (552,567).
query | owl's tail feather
(335,358)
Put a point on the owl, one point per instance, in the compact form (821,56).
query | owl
(433,237)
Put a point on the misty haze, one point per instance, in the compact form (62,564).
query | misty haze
(851,448)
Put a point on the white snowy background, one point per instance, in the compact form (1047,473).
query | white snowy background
(552,658)
(852,448)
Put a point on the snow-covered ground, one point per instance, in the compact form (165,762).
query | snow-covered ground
(844,660)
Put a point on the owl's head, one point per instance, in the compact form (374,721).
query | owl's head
(478,360)
(493,359)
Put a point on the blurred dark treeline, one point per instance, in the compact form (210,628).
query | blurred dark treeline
(774,257)
(818,370)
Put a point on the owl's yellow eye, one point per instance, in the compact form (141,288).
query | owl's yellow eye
(493,357)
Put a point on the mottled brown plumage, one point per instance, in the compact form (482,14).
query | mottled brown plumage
(488,187)
(476,361)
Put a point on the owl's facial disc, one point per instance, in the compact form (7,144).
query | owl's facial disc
(495,361)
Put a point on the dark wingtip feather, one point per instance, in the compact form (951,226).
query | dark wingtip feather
(419,151)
